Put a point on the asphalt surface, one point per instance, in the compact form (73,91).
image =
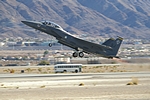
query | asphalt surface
(71,76)
(75,86)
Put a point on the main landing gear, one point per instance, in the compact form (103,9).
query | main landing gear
(76,54)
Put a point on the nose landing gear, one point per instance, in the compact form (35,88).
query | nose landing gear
(50,44)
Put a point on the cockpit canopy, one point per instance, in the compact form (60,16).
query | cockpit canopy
(52,24)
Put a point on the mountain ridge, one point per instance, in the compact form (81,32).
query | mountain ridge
(106,18)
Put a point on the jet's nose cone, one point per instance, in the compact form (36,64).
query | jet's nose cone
(29,23)
(32,24)
(24,22)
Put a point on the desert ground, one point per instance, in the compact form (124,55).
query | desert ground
(125,80)
(97,82)
(86,68)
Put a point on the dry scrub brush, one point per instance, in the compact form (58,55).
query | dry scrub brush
(43,86)
(134,81)
(12,71)
(81,84)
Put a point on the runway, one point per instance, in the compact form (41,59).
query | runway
(75,77)
(66,86)
(63,75)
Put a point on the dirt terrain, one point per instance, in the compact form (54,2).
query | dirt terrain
(115,82)
(78,93)
(121,82)
(97,68)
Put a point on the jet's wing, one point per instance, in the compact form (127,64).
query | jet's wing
(108,49)
(87,46)
(91,44)
(92,47)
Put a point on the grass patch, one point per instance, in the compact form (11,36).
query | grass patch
(2,84)
(44,72)
(40,69)
(48,69)
(43,86)
(81,84)
(94,84)
(28,70)
(135,81)
(17,87)
(5,70)
(84,66)
(12,71)
(129,83)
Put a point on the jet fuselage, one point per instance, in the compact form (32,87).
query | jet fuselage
(108,49)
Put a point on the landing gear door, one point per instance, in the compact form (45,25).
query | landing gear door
(80,69)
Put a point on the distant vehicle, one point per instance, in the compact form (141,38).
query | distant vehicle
(62,68)
(108,49)
(11,65)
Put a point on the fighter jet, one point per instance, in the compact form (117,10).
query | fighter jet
(108,49)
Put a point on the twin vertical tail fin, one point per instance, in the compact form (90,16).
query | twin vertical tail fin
(114,44)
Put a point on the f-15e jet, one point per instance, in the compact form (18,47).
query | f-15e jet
(108,49)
